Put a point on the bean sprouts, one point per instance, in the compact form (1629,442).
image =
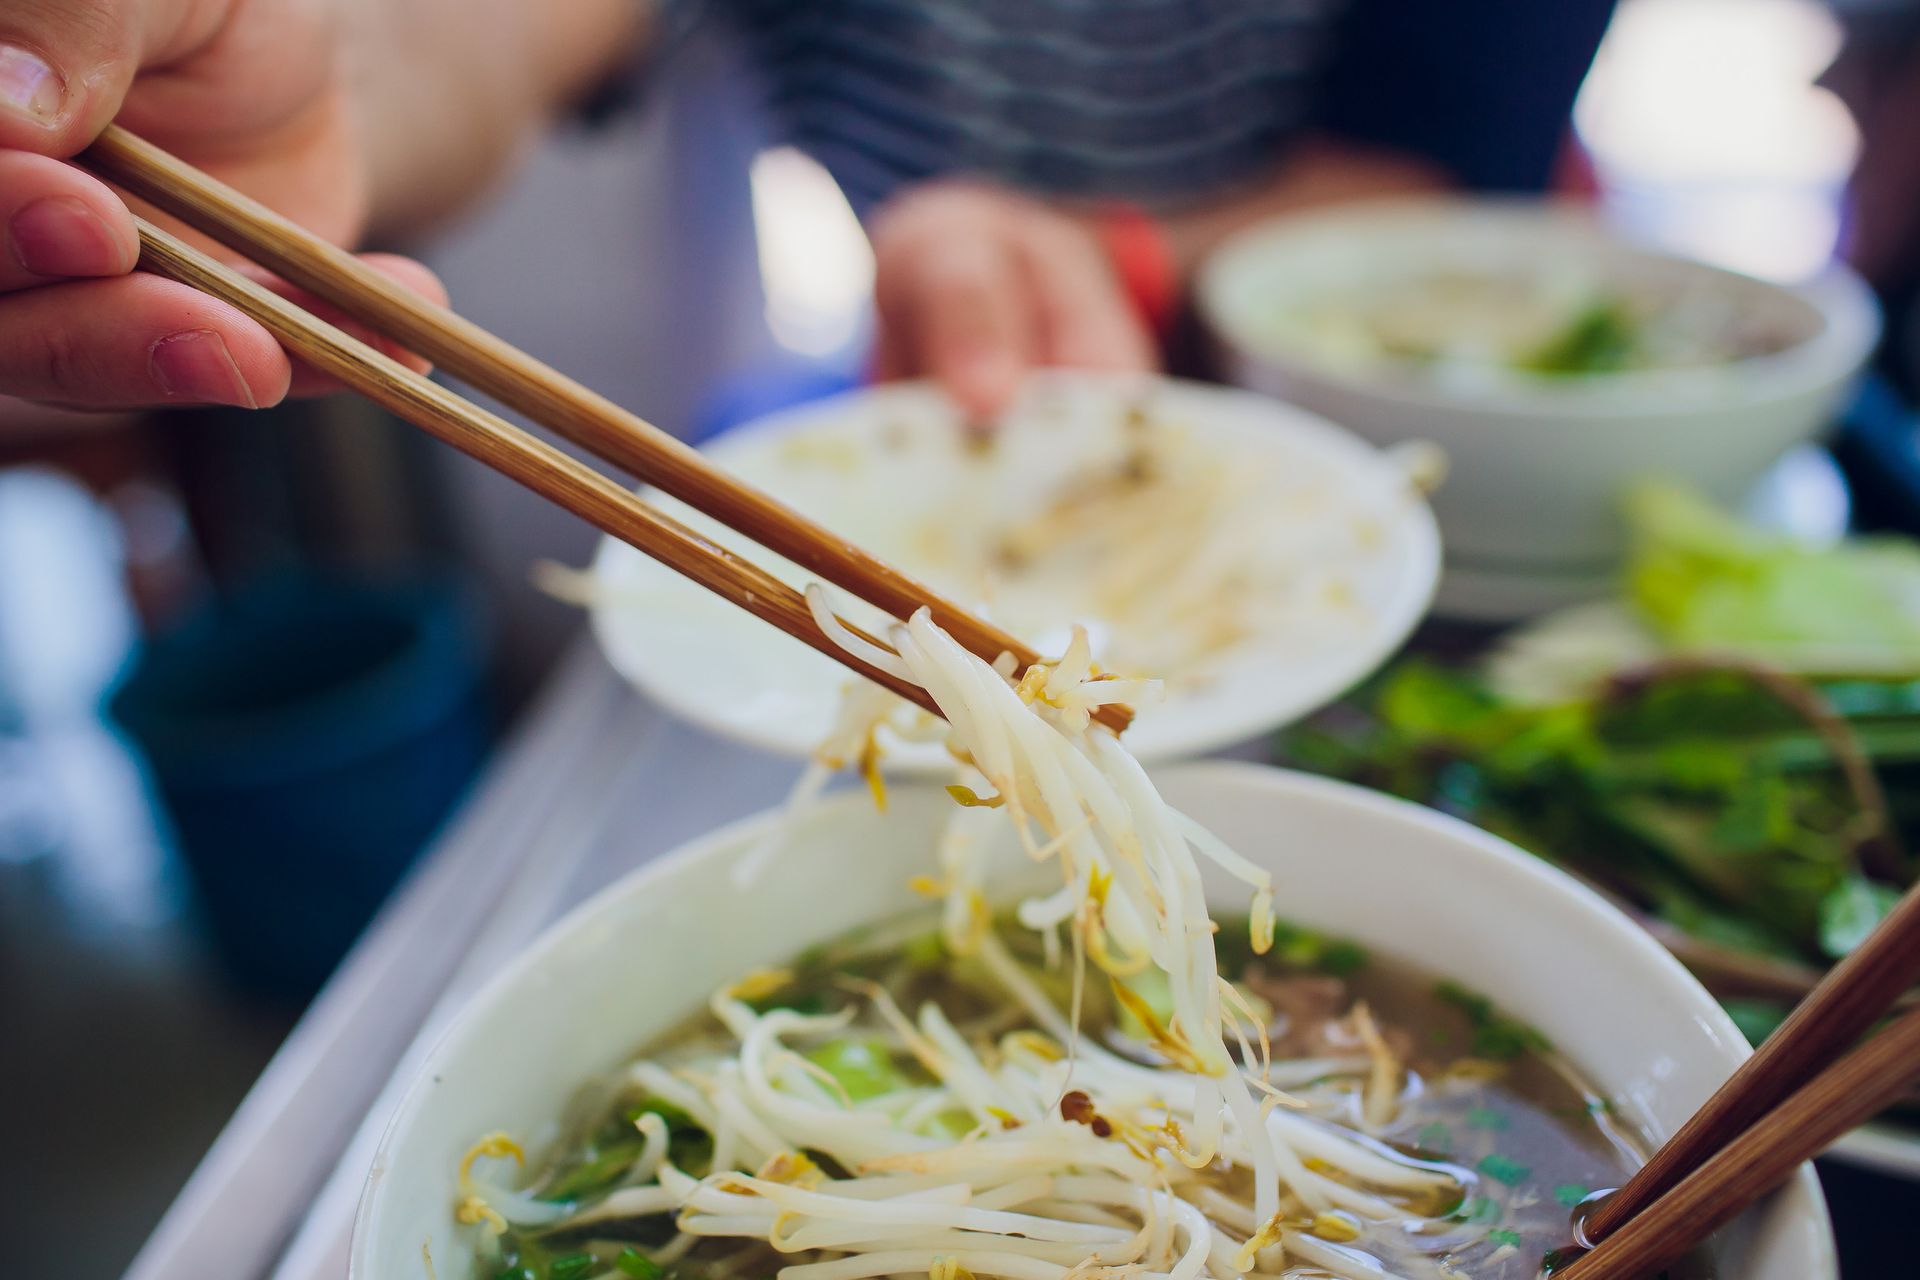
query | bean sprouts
(1033,1153)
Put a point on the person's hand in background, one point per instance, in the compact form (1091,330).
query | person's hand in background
(255,92)
(975,285)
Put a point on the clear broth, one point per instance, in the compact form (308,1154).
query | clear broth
(1486,1095)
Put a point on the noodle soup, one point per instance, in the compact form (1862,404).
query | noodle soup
(1438,1137)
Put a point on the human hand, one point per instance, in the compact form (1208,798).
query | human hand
(255,92)
(975,285)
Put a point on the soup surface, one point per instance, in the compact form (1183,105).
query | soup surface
(1458,324)
(1474,1094)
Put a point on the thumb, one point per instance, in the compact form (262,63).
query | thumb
(65,65)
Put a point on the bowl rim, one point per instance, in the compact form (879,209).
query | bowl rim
(612,899)
(1849,317)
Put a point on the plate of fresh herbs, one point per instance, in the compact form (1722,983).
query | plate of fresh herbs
(1730,749)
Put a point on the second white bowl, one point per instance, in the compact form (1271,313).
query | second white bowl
(1537,464)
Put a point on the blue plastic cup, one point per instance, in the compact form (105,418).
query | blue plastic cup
(307,735)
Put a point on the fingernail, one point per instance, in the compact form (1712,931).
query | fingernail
(196,365)
(28,85)
(61,236)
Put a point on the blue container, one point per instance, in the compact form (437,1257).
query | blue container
(307,735)
(767,389)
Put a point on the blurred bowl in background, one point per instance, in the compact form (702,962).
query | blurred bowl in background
(1554,361)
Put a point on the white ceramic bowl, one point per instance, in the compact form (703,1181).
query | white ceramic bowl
(890,468)
(1537,464)
(1404,880)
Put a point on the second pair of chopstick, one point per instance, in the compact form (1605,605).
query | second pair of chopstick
(1806,1086)
(543,394)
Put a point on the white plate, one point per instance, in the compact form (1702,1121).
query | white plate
(644,954)
(889,468)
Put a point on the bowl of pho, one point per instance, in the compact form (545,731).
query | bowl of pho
(1554,360)
(1063,1019)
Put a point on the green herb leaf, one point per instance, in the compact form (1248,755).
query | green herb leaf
(1503,1169)
(1756,1018)
(1494,1034)
(673,1117)
(599,1169)
(1299,947)
(1343,958)
(1705,580)
(1602,338)
(632,1262)
(1851,912)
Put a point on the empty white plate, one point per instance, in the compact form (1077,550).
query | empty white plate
(1276,561)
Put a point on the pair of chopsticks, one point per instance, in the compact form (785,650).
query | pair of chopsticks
(544,395)
(1808,1084)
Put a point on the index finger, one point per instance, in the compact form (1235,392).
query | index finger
(1086,319)
(59,223)
(962,315)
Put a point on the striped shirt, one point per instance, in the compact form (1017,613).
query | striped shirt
(1159,101)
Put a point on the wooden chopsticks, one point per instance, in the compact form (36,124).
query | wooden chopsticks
(544,395)
(1784,1106)
(499,444)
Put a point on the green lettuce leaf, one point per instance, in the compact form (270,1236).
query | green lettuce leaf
(1851,911)
(1704,580)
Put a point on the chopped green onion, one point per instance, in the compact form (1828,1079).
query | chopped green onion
(1342,958)
(1436,1138)
(602,1166)
(1485,1118)
(1503,1169)
(1494,1034)
(1504,1235)
(572,1266)
(672,1116)
(634,1263)
(1570,1194)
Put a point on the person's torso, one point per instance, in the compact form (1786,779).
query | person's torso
(1139,99)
